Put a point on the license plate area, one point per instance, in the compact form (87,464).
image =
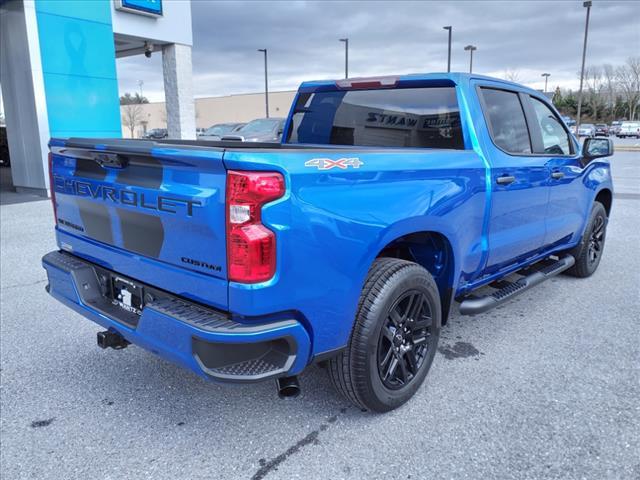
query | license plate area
(127,295)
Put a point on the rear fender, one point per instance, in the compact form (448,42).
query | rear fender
(417,225)
(442,261)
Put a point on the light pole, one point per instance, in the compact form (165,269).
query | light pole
(584,55)
(346,56)
(266,82)
(470,49)
(546,78)
(449,49)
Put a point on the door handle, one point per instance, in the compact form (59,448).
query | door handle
(505,180)
(557,175)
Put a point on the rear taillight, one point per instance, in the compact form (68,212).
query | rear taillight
(251,247)
(52,189)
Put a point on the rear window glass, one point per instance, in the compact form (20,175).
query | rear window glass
(403,117)
(506,118)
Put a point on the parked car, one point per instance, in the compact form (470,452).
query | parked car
(216,132)
(615,127)
(601,130)
(347,244)
(629,129)
(587,130)
(156,134)
(259,130)
(200,131)
(569,121)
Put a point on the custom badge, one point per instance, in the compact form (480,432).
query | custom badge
(328,164)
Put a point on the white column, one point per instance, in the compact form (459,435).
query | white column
(178,91)
(24,97)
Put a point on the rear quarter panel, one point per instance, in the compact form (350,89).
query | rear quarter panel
(331,225)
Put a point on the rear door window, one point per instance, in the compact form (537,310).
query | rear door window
(426,117)
(505,116)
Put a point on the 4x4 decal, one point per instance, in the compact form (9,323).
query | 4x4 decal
(328,164)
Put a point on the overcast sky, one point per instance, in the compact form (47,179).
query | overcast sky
(386,37)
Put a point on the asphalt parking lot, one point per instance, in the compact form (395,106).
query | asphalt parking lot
(547,386)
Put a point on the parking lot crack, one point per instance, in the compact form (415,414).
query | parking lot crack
(267,466)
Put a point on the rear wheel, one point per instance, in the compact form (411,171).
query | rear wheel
(394,338)
(589,251)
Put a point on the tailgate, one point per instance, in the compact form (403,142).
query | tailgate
(145,210)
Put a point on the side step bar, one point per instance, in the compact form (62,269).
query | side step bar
(474,305)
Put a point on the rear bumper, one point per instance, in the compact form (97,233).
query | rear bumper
(206,341)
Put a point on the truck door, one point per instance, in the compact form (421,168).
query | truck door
(519,180)
(567,201)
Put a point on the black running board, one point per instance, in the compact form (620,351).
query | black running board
(474,305)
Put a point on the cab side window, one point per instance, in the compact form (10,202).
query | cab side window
(555,139)
(506,119)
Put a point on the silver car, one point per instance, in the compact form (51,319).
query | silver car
(259,130)
(216,132)
(587,130)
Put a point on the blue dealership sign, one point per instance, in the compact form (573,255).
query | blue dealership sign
(143,7)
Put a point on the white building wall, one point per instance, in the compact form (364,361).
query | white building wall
(171,33)
(173,27)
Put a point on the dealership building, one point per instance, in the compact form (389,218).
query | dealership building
(210,111)
(58,72)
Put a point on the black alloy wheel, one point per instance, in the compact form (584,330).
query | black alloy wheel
(588,252)
(596,239)
(394,337)
(404,340)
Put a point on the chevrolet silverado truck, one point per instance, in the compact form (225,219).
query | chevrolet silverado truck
(388,202)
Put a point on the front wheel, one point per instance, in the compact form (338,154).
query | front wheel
(394,337)
(588,252)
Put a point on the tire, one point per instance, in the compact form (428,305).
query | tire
(386,330)
(588,252)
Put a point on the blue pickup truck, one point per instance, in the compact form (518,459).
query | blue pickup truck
(388,202)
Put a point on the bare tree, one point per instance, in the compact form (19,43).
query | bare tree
(512,75)
(628,79)
(594,84)
(609,79)
(132,116)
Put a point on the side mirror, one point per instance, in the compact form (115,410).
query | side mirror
(596,148)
